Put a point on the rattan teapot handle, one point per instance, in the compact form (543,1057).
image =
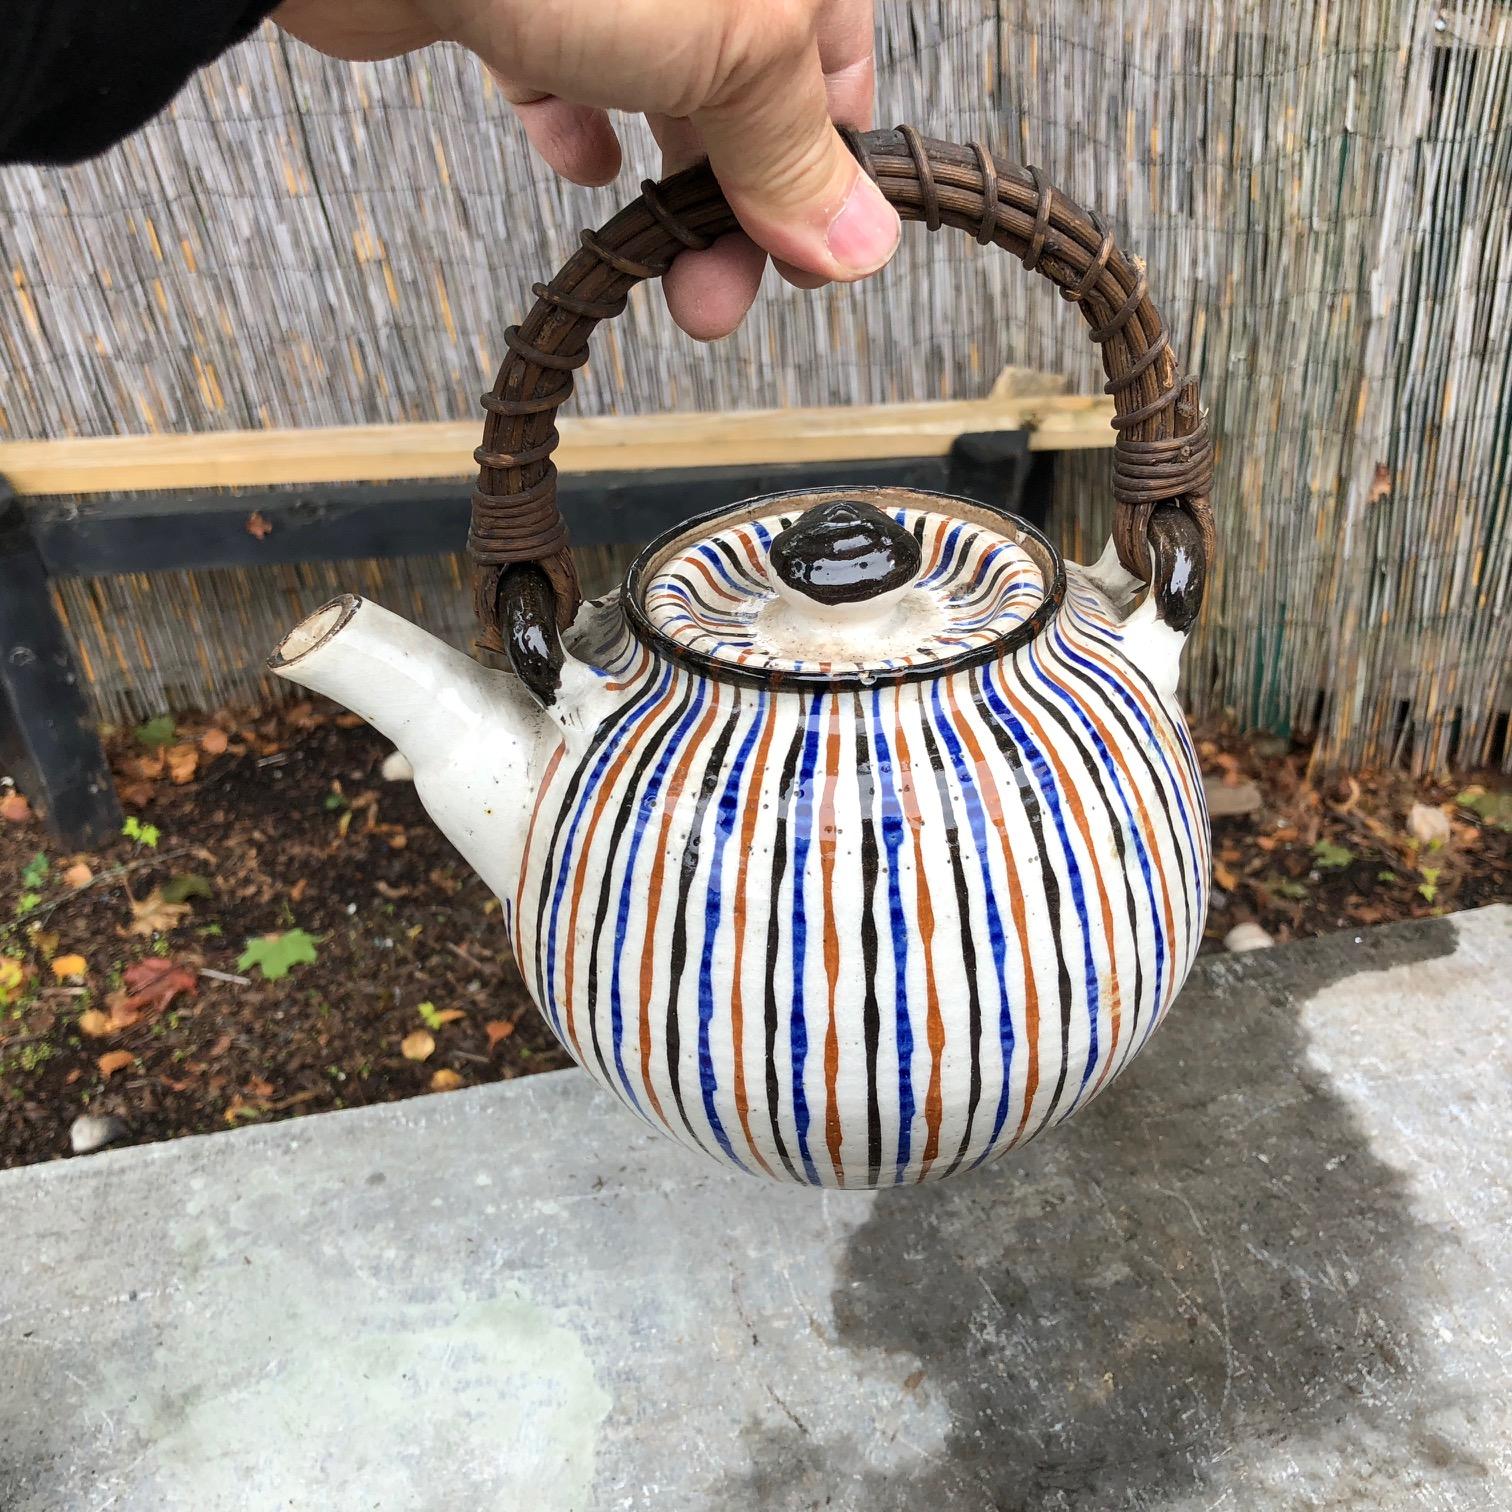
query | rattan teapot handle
(1163,457)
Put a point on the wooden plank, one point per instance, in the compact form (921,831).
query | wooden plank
(376,453)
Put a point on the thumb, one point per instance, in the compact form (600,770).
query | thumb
(793,186)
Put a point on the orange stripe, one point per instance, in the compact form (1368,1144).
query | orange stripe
(935,1025)
(832,1130)
(632,675)
(747,539)
(1072,794)
(1147,827)
(581,869)
(535,813)
(670,795)
(717,584)
(737,1003)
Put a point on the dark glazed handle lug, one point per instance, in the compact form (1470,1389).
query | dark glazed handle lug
(845,552)
(1179,553)
(532,641)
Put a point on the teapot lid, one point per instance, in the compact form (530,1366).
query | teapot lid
(844,587)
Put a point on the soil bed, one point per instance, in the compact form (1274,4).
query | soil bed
(125,987)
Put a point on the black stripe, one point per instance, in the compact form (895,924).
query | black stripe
(688,867)
(623,810)
(774,942)
(1035,815)
(1136,747)
(871,1013)
(963,914)
(1116,823)
(633,705)
(740,564)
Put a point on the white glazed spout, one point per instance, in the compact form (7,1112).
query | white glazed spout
(470,734)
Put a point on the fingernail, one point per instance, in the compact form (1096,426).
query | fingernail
(866,229)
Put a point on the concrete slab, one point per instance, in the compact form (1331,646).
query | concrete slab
(1270,1269)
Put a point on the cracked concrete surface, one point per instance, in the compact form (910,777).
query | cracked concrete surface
(1270,1269)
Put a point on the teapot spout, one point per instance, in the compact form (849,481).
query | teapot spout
(470,734)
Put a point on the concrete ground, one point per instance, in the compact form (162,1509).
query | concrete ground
(1270,1269)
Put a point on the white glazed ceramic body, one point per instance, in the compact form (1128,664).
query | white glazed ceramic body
(844,938)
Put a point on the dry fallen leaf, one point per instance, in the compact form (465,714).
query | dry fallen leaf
(1224,877)
(78,875)
(214,742)
(113,1061)
(450,1015)
(257,526)
(151,986)
(418,1046)
(445,1080)
(498,1029)
(147,768)
(15,808)
(65,966)
(183,762)
(155,916)
(298,890)
(1380,484)
(94,1023)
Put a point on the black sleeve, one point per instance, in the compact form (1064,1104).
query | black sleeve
(78,75)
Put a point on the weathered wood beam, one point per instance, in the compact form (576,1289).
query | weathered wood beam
(375,453)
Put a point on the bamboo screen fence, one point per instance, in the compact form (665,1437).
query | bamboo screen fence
(1323,190)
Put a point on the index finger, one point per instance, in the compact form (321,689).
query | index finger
(846,35)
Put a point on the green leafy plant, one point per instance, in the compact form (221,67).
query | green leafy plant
(1296,891)
(430,1016)
(143,834)
(1428,887)
(34,873)
(156,733)
(335,802)
(26,902)
(1492,808)
(182,889)
(276,955)
(1386,876)
(1331,857)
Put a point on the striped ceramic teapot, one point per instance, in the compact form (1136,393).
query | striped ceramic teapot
(858,839)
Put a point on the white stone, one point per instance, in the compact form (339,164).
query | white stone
(396,768)
(1427,825)
(93,1131)
(1225,801)
(1244,937)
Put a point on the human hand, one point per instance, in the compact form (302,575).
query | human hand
(752,84)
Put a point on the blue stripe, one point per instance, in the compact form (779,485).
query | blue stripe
(1035,762)
(645,812)
(724,822)
(892,840)
(634,721)
(976,817)
(1173,786)
(1068,701)
(803,819)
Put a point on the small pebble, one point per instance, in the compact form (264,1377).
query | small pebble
(1225,801)
(396,768)
(1247,937)
(93,1131)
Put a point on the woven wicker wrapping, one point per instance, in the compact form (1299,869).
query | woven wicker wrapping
(1163,454)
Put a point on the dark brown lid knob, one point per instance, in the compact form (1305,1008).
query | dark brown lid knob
(845,553)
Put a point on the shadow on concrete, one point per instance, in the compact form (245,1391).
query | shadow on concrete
(1207,1258)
